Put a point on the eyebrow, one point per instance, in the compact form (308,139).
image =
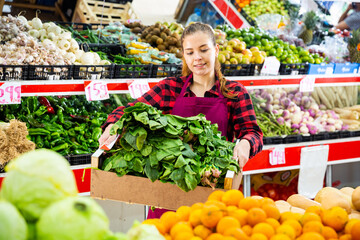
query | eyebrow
(199,47)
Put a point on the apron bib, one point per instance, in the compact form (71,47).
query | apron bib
(214,109)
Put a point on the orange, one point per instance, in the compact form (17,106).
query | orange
(183,213)
(158,224)
(313,226)
(221,205)
(346,237)
(168,219)
(237,233)
(287,230)
(179,228)
(240,215)
(196,238)
(312,236)
(328,233)
(247,229)
(280,237)
(248,203)
(211,215)
(198,205)
(273,222)
(266,200)
(226,223)
(184,236)
(264,228)
(316,209)
(232,197)
(202,231)
(271,211)
(231,209)
(195,217)
(228,238)
(336,217)
(295,225)
(355,231)
(350,224)
(215,236)
(258,236)
(309,216)
(167,237)
(255,216)
(286,216)
(216,195)
(297,216)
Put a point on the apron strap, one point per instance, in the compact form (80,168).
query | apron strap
(182,93)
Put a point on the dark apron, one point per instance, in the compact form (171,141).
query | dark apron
(214,109)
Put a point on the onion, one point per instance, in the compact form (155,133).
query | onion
(87,58)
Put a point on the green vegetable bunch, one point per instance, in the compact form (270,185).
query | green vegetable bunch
(169,148)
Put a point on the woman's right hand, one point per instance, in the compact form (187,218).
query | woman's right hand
(106,138)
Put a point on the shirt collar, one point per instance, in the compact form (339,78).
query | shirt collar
(210,93)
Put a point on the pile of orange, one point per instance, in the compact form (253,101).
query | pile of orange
(230,216)
(242,3)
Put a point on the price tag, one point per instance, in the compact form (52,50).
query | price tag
(307,84)
(10,93)
(96,90)
(277,156)
(137,88)
(271,66)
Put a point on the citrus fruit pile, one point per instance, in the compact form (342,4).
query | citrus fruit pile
(230,216)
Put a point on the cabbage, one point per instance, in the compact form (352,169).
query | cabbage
(12,224)
(144,232)
(74,218)
(37,179)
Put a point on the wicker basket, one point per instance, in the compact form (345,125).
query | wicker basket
(91,11)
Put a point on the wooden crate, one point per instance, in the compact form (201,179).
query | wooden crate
(92,11)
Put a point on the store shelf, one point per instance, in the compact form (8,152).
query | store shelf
(83,186)
(76,87)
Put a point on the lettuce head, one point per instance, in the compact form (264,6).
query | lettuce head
(74,218)
(12,224)
(37,179)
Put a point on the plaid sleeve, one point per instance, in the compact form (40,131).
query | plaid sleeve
(153,97)
(244,119)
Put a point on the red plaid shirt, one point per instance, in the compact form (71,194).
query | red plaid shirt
(242,121)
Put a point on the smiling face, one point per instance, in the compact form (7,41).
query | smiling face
(200,53)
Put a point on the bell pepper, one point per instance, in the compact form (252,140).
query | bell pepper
(60,115)
(53,127)
(54,119)
(96,133)
(67,124)
(38,131)
(33,122)
(44,101)
(78,152)
(55,135)
(50,110)
(39,143)
(56,142)
(72,132)
(60,147)
(41,111)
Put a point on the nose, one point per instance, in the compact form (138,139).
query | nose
(197,55)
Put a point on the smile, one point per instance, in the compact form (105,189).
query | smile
(200,65)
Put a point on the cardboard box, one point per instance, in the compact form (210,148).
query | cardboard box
(140,190)
(346,68)
(321,68)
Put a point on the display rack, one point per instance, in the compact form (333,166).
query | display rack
(343,150)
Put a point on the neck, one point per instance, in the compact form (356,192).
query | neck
(205,82)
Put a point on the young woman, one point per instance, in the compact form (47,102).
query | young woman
(203,89)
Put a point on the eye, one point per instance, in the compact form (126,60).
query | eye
(204,50)
(189,53)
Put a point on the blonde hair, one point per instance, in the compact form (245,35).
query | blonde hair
(207,29)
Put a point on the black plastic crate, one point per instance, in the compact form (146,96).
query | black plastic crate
(109,49)
(93,71)
(344,134)
(132,71)
(237,69)
(354,133)
(294,69)
(251,21)
(80,159)
(13,72)
(273,140)
(50,72)
(334,135)
(320,136)
(292,139)
(306,138)
(166,70)
(255,69)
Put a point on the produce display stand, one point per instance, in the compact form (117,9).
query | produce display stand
(342,150)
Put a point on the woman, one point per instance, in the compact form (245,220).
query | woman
(203,89)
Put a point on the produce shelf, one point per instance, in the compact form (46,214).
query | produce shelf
(117,85)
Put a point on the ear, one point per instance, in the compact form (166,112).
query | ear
(217,50)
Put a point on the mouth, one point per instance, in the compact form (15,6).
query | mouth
(200,65)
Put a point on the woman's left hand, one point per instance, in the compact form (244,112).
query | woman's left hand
(242,152)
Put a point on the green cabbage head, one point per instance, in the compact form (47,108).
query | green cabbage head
(37,179)
(74,218)
(12,224)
